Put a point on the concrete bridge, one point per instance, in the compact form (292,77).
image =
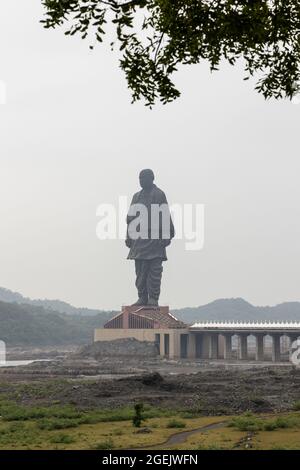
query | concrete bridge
(202,340)
(213,340)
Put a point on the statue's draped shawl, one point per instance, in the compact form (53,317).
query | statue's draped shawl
(149,248)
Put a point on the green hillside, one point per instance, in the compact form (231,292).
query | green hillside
(29,325)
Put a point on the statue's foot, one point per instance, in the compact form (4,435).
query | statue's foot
(141,301)
(152,302)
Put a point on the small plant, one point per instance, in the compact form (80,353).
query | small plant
(176,423)
(104,445)
(270,426)
(62,439)
(287,422)
(138,415)
(297,405)
(246,423)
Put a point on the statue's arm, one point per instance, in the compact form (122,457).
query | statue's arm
(167,241)
(129,218)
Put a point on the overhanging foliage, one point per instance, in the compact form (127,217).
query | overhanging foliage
(265,34)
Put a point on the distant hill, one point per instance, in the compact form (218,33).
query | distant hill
(238,309)
(7,295)
(23,325)
(25,321)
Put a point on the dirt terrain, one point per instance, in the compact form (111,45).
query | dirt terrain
(205,387)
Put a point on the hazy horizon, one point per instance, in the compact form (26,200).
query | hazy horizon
(71,139)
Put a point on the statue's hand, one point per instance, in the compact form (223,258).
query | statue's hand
(128,242)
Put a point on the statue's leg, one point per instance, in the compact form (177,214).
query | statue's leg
(154,280)
(141,270)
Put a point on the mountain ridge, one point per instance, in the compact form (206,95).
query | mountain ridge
(36,322)
(7,295)
(235,308)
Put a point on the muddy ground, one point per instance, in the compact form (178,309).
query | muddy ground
(209,388)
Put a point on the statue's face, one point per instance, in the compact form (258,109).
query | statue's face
(146,180)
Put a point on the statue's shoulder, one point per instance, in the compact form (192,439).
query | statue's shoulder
(136,196)
(160,193)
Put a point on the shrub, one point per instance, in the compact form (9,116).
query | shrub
(104,445)
(287,422)
(270,426)
(251,423)
(62,439)
(138,415)
(176,423)
(246,423)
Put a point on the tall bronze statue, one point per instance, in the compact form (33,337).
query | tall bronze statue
(149,231)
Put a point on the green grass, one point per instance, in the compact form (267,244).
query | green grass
(39,390)
(12,412)
(68,416)
(18,433)
(210,447)
(56,423)
(68,427)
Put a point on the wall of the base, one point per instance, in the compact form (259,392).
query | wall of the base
(109,334)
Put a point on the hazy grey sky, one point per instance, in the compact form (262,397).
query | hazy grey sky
(70,140)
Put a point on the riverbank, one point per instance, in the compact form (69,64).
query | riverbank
(68,402)
(213,390)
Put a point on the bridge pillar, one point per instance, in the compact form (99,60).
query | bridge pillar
(243,347)
(228,346)
(276,348)
(259,351)
(191,347)
(213,346)
(221,346)
(205,346)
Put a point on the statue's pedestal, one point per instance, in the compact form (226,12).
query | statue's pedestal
(148,323)
(148,311)
(145,308)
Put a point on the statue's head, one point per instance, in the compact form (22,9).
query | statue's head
(146,179)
